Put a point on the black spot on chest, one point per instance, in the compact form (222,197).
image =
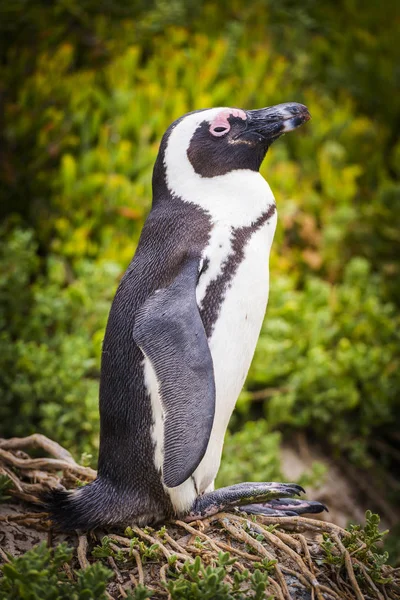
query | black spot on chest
(216,290)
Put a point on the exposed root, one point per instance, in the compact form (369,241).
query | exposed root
(37,440)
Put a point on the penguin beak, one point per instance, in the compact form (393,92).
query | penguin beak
(271,122)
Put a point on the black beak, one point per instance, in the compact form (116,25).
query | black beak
(270,123)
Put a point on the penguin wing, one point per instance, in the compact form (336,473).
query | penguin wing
(169,331)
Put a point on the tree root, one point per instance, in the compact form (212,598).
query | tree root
(288,549)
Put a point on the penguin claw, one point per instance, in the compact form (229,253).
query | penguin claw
(284,507)
(292,489)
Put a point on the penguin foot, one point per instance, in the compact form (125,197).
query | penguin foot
(258,498)
(284,507)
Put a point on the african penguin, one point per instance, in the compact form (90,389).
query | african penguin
(183,327)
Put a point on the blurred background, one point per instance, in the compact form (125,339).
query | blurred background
(87,89)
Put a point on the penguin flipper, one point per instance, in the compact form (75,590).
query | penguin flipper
(169,331)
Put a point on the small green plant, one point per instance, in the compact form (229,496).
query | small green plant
(149,552)
(5,485)
(266,564)
(106,550)
(198,582)
(363,544)
(198,543)
(161,532)
(259,583)
(369,551)
(38,574)
(86,459)
(141,592)
(369,535)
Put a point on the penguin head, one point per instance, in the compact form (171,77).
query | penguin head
(220,140)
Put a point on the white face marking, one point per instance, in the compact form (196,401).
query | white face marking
(237,198)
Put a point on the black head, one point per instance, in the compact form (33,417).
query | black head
(229,139)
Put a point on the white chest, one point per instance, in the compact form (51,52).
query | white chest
(235,334)
(234,338)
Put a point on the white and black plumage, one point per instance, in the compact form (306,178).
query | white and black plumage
(183,328)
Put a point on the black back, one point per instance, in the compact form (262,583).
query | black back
(172,230)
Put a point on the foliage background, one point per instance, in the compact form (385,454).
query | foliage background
(87,90)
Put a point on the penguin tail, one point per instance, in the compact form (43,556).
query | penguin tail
(85,508)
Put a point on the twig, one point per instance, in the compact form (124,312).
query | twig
(68,571)
(278,543)
(37,440)
(302,523)
(27,497)
(287,539)
(22,517)
(82,551)
(114,567)
(4,556)
(277,588)
(176,545)
(231,549)
(332,593)
(136,554)
(349,568)
(298,576)
(14,478)
(49,463)
(163,576)
(260,395)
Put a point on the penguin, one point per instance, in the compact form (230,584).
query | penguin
(182,330)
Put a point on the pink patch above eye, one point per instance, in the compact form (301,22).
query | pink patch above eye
(220,124)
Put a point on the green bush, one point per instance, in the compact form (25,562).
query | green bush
(38,574)
(50,342)
(332,354)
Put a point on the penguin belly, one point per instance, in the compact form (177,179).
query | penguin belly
(232,344)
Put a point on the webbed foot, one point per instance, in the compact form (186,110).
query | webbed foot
(256,498)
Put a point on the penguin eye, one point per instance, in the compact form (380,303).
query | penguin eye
(218,130)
